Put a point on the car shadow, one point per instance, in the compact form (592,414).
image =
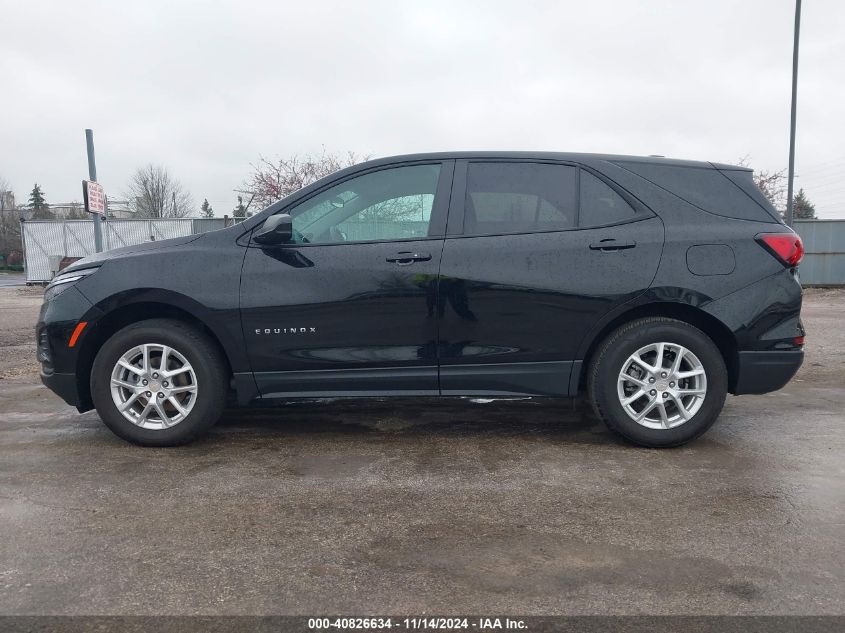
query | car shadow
(562,420)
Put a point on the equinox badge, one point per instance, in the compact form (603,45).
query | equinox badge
(286,330)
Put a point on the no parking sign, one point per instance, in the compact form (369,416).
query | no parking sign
(94,197)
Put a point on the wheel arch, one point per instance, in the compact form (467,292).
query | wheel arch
(126,314)
(717,331)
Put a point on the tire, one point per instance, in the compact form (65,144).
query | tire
(199,390)
(684,417)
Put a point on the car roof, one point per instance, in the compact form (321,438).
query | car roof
(578,157)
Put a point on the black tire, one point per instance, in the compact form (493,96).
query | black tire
(200,351)
(613,352)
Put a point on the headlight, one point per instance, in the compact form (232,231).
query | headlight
(64,281)
(69,278)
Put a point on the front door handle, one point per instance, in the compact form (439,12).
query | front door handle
(611,244)
(405,258)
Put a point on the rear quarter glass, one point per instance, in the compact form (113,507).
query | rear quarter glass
(706,188)
(743,179)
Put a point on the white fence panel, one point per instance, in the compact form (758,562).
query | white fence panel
(41,240)
(118,233)
(79,238)
(75,238)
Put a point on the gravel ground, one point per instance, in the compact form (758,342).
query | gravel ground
(425,506)
(18,314)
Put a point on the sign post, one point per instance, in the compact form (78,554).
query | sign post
(92,192)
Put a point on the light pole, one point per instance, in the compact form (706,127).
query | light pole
(791,176)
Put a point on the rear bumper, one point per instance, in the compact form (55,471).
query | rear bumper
(762,372)
(63,385)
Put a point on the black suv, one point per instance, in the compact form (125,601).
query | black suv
(654,286)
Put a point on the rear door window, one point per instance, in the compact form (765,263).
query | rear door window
(519,198)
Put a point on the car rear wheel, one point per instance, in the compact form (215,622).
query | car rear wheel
(159,382)
(658,382)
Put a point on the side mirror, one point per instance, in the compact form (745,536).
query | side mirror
(277,229)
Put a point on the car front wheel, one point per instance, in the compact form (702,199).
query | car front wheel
(159,382)
(658,382)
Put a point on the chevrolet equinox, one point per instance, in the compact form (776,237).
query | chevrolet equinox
(653,286)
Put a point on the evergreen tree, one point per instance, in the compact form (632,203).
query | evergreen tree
(39,206)
(240,210)
(205,209)
(802,208)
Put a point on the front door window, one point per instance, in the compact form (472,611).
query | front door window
(390,204)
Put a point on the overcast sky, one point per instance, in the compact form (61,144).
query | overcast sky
(204,88)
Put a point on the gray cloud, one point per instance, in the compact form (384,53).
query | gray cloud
(204,88)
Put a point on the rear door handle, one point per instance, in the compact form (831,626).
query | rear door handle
(404,258)
(611,244)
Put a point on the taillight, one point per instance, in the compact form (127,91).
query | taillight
(787,247)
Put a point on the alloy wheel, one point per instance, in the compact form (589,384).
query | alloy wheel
(662,385)
(154,386)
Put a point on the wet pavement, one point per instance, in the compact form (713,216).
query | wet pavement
(427,506)
(8,280)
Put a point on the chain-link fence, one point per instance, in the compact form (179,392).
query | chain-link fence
(45,241)
(824,241)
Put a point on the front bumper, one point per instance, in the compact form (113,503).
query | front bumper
(762,372)
(63,385)
(61,312)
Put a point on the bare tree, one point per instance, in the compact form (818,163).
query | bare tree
(272,180)
(154,193)
(77,212)
(10,228)
(771,183)
(7,196)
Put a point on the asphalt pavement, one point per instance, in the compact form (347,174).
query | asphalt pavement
(426,506)
(12,279)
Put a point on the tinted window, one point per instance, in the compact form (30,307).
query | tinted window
(519,198)
(743,179)
(704,187)
(600,204)
(389,204)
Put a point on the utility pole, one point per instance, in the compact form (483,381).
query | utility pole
(92,175)
(791,177)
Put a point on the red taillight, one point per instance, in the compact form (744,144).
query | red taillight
(798,340)
(787,247)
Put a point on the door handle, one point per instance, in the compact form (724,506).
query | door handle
(404,258)
(611,244)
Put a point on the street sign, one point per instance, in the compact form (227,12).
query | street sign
(94,197)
